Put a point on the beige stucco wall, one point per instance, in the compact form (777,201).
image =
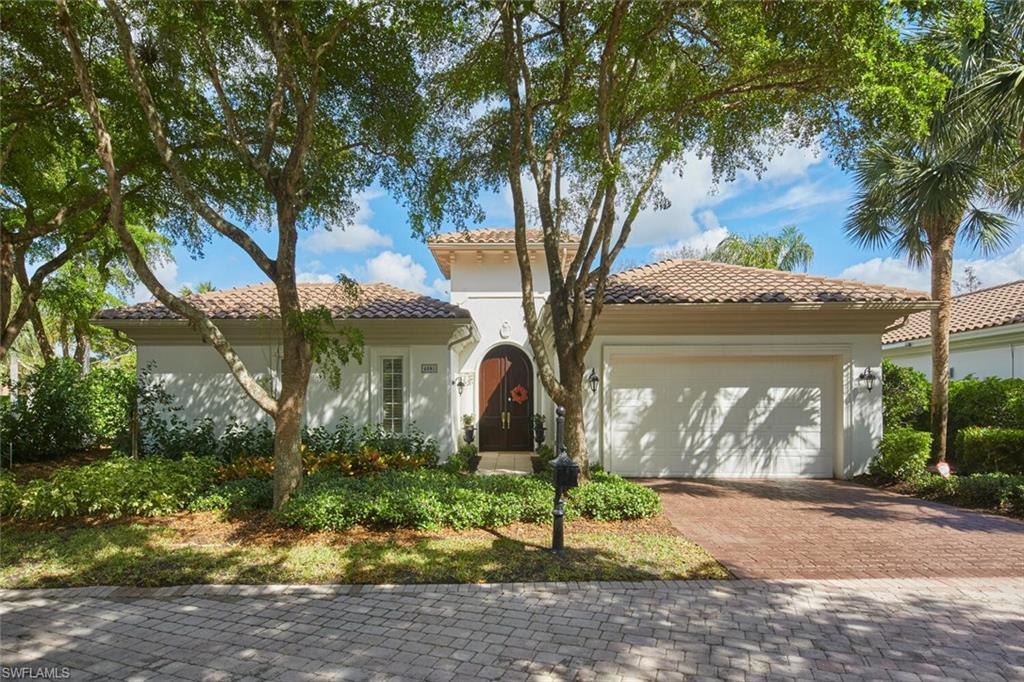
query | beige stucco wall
(198,378)
(997,352)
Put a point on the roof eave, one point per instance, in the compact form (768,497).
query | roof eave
(901,306)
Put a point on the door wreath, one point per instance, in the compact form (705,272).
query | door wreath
(519,394)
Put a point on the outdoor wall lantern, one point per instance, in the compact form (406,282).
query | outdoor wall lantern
(593,380)
(867,378)
(459,385)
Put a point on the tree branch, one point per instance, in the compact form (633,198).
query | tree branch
(170,160)
(198,320)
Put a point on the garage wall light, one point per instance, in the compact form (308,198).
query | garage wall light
(593,380)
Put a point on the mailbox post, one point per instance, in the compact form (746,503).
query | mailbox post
(565,475)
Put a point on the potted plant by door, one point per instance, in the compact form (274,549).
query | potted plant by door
(468,428)
(538,428)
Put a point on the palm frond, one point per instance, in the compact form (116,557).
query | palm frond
(988,231)
(913,244)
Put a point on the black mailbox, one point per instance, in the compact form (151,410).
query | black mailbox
(566,472)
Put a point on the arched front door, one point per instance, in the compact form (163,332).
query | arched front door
(506,400)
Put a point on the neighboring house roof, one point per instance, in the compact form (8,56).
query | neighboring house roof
(699,281)
(494,236)
(992,307)
(376,301)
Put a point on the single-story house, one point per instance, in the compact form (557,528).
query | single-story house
(986,335)
(700,368)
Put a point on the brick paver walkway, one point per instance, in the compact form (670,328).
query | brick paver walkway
(835,529)
(821,630)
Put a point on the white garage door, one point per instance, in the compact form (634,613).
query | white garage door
(672,415)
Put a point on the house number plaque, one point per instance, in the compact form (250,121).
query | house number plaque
(428,368)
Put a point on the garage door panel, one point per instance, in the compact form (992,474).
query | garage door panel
(752,416)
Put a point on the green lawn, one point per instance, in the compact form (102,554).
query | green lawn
(203,548)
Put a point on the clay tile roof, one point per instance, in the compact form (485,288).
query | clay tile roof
(493,235)
(992,307)
(697,281)
(376,301)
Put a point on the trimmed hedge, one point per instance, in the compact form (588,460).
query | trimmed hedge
(119,486)
(903,453)
(435,498)
(989,450)
(992,402)
(612,498)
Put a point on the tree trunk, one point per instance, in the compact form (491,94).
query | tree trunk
(6,278)
(45,347)
(942,276)
(575,429)
(81,345)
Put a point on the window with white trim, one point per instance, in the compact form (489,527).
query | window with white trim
(392,393)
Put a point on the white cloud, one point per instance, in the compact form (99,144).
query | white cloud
(400,270)
(442,287)
(691,189)
(798,197)
(710,234)
(357,236)
(897,272)
(166,272)
(315,278)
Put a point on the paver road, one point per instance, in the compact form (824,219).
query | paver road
(745,629)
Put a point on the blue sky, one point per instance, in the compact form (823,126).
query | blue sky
(799,187)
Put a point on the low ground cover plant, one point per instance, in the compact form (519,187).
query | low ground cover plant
(331,499)
(434,498)
(995,492)
(118,486)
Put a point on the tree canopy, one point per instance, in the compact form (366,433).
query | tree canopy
(581,106)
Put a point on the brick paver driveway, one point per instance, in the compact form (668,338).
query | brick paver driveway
(746,629)
(835,529)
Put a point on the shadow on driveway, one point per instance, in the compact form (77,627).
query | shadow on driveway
(838,529)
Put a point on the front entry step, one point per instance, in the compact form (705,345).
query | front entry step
(505,463)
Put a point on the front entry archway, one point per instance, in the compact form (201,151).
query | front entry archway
(506,400)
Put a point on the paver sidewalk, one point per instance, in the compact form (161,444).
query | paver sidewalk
(746,629)
(837,529)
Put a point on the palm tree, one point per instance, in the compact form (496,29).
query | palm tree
(788,250)
(919,198)
(202,288)
(992,86)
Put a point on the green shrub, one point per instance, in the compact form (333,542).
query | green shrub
(50,417)
(611,498)
(10,494)
(906,395)
(991,402)
(458,462)
(243,494)
(902,454)
(990,450)
(119,486)
(999,492)
(435,498)
(110,391)
(59,410)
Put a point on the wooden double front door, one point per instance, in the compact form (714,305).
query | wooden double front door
(506,400)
